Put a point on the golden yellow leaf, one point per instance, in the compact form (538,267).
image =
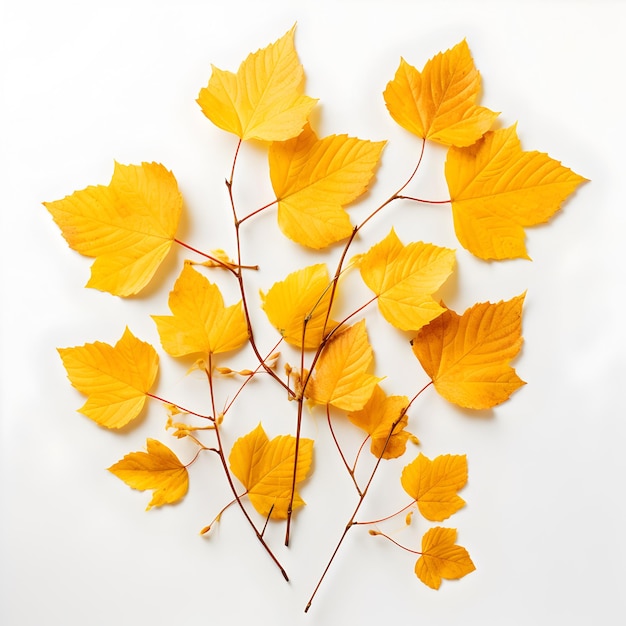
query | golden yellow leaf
(439,103)
(201,323)
(265,468)
(442,558)
(377,418)
(115,379)
(467,356)
(404,277)
(341,377)
(314,179)
(128,226)
(433,484)
(304,294)
(264,99)
(158,469)
(497,190)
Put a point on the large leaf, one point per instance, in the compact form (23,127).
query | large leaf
(497,190)
(264,99)
(128,226)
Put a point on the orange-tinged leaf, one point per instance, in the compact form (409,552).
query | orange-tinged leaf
(264,99)
(127,226)
(442,558)
(341,377)
(314,179)
(467,356)
(304,294)
(433,484)
(265,468)
(497,190)
(115,379)
(439,103)
(201,323)
(377,418)
(158,469)
(404,277)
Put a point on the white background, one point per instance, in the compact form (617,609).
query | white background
(84,84)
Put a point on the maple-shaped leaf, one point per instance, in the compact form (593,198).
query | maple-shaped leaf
(467,356)
(115,379)
(404,277)
(377,418)
(497,190)
(314,179)
(128,226)
(433,484)
(264,99)
(158,469)
(303,295)
(439,103)
(442,558)
(265,468)
(201,323)
(341,376)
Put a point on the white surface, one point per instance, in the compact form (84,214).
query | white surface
(86,83)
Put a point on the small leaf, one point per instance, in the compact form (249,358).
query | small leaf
(467,357)
(433,484)
(158,469)
(201,323)
(115,379)
(265,468)
(128,226)
(439,103)
(341,375)
(264,99)
(404,277)
(497,190)
(442,558)
(304,294)
(314,179)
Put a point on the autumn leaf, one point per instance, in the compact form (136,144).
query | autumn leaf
(127,226)
(303,295)
(377,418)
(467,356)
(442,558)
(264,99)
(433,484)
(158,469)
(265,468)
(404,277)
(314,179)
(341,377)
(201,323)
(497,190)
(115,379)
(439,103)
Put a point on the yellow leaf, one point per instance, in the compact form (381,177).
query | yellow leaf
(265,468)
(115,379)
(433,484)
(201,323)
(341,376)
(439,103)
(404,277)
(264,99)
(304,294)
(467,357)
(497,190)
(313,180)
(442,558)
(377,418)
(158,469)
(128,226)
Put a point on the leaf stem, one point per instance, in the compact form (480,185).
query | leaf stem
(341,454)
